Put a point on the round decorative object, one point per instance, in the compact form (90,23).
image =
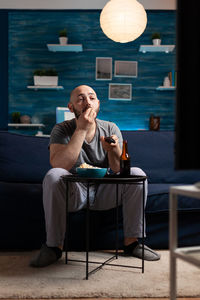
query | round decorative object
(25,119)
(123,21)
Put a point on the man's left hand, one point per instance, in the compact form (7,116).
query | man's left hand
(110,146)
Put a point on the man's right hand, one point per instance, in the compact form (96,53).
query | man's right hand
(86,119)
(65,156)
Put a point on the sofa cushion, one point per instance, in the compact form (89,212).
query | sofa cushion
(23,158)
(153,151)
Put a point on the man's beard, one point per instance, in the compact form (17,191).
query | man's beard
(77,114)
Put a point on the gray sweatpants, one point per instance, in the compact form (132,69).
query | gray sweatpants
(54,201)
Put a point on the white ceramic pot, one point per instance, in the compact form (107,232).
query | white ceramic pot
(156,42)
(45,80)
(63,40)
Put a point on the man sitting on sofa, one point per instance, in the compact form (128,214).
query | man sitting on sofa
(82,140)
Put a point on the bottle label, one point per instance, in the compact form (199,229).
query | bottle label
(125,166)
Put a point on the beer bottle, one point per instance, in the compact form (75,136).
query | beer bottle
(125,160)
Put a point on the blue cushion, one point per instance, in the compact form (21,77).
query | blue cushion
(153,151)
(23,158)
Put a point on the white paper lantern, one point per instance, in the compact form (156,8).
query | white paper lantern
(123,20)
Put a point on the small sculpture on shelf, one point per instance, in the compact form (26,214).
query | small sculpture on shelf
(63,39)
(166,82)
(156,39)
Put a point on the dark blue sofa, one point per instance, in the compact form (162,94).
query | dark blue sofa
(24,160)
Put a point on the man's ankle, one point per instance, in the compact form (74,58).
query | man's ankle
(129,240)
(57,250)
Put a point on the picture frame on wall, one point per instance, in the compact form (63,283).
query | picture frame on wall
(103,68)
(120,91)
(126,68)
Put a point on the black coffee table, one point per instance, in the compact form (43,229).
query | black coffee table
(114,179)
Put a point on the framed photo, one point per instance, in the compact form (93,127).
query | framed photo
(103,68)
(126,68)
(120,91)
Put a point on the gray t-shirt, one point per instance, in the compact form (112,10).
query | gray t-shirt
(91,153)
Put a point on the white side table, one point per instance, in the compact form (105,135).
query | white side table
(189,254)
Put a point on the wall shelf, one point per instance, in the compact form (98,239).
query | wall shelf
(65,48)
(152,48)
(16,125)
(45,87)
(164,88)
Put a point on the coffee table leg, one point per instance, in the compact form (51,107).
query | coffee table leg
(87,228)
(143,213)
(117,223)
(67,222)
(173,237)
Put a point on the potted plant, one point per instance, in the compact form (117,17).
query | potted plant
(156,39)
(45,77)
(16,117)
(63,36)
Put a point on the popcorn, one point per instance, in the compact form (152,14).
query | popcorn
(87,166)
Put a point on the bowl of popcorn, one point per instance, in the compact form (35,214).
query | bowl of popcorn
(86,170)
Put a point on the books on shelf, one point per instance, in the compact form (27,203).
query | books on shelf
(172,77)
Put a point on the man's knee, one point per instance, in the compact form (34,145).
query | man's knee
(139,187)
(53,176)
(137,171)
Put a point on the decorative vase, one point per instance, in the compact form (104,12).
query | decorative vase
(166,82)
(154,123)
(63,40)
(35,120)
(156,42)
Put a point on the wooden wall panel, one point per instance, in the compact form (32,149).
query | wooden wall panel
(30,31)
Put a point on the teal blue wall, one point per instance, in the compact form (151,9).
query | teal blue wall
(30,31)
(4,70)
